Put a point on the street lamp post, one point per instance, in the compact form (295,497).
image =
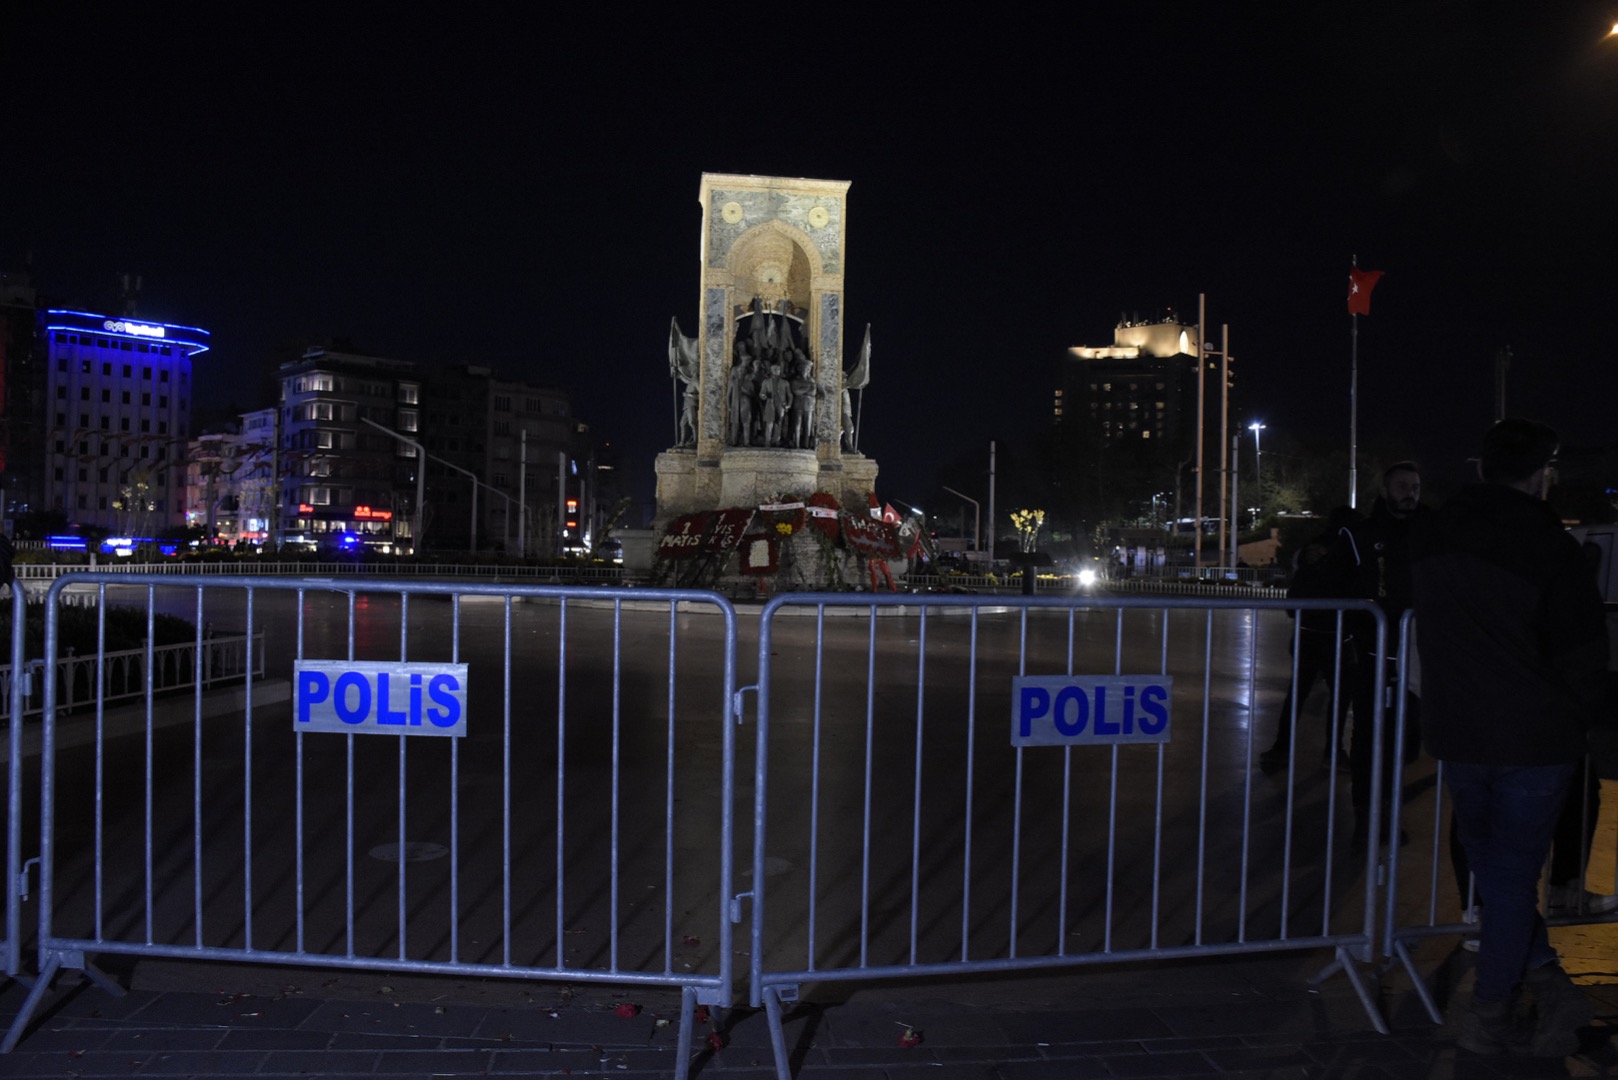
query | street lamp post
(1255,427)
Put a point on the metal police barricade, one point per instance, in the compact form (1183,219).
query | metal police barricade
(1432,893)
(953,785)
(435,778)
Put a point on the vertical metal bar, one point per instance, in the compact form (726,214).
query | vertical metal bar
(1158,823)
(561,777)
(455,800)
(971,765)
(349,897)
(404,782)
(1202,784)
(1339,644)
(668,795)
(865,828)
(301,598)
(19,619)
(1065,860)
(1251,618)
(761,775)
(505,791)
(47,779)
(247,777)
(1375,827)
(915,810)
(1112,799)
(1016,796)
(1295,695)
(617,777)
(814,776)
(196,777)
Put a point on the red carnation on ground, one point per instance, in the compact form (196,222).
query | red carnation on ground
(627,1010)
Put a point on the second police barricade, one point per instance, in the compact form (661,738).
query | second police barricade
(1431,894)
(520,781)
(980,785)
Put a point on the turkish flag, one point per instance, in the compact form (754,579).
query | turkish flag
(1360,284)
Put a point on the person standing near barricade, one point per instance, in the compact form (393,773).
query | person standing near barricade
(1513,652)
(1321,647)
(1371,561)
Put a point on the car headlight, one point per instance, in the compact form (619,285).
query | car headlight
(1087,578)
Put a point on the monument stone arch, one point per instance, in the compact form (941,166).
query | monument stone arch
(771,295)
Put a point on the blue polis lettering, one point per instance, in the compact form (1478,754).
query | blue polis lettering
(351,695)
(1072,712)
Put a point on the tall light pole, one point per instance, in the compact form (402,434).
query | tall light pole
(977,518)
(1258,463)
(421,482)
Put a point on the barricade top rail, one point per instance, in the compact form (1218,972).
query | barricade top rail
(967,600)
(383,585)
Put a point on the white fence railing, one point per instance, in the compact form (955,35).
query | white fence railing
(122,674)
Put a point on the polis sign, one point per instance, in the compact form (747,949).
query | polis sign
(1090,710)
(379,697)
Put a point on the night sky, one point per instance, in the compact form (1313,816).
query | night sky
(458,187)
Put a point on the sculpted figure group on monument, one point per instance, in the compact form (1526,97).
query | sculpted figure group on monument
(772,390)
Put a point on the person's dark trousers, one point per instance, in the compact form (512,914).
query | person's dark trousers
(1506,815)
(1570,843)
(1317,652)
(1360,740)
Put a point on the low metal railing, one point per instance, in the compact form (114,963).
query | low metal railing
(122,675)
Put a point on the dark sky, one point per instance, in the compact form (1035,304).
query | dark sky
(456,186)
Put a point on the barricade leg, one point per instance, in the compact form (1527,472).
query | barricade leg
(688,1011)
(1345,963)
(778,1037)
(1402,951)
(30,1003)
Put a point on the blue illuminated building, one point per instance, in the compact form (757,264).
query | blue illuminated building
(117,405)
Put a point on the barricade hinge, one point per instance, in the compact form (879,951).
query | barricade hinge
(736,701)
(28,676)
(22,877)
(736,905)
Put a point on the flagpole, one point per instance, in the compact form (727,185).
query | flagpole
(1353,401)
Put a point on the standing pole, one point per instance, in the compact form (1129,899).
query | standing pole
(1202,364)
(991,503)
(1353,402)
(1353,409)
(522,497)
(1235,473)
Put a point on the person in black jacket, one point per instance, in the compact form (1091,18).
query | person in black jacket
(1513,654)
(1321,647)
(1371,561)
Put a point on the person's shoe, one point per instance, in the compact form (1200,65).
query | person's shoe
(1490,1027)
(1561,1010)
(1576,900)
(1471,917)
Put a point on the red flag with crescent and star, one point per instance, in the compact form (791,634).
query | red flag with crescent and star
(1360,284)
